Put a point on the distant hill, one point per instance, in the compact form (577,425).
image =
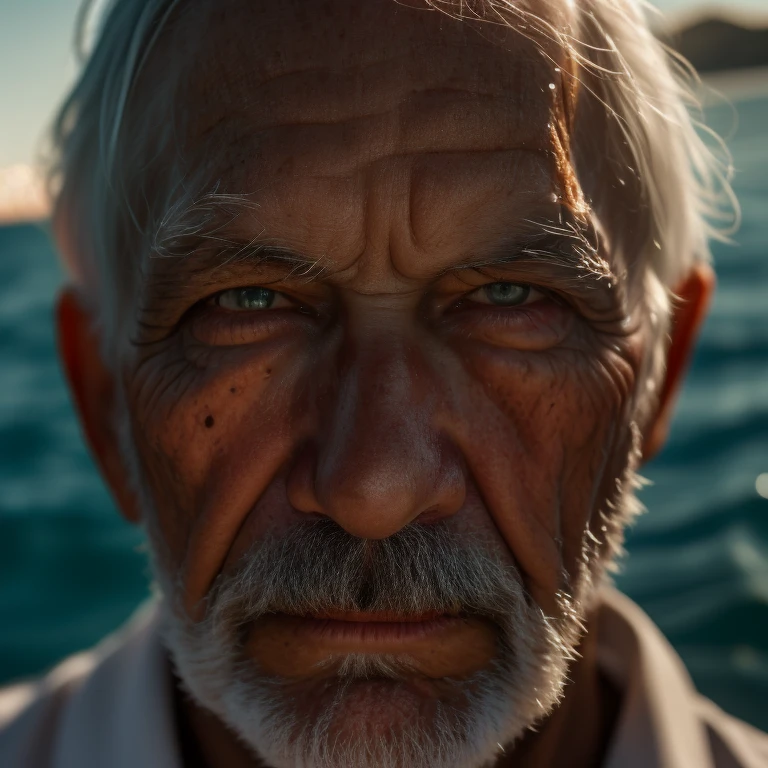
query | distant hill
(714,44)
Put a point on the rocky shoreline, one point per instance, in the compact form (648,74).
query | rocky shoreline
(718,43)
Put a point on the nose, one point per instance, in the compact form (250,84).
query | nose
(379,460)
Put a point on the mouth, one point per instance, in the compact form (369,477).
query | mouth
(437,644)
(374,632)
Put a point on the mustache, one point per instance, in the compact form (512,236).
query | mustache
(317,567)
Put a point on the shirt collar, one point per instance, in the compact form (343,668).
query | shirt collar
(657,726)
(122,716)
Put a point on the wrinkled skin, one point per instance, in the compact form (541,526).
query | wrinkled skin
(387,400)
(385,389)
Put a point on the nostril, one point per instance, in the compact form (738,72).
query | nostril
(301,485)
(430,516)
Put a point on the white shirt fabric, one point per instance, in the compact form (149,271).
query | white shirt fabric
(112,707)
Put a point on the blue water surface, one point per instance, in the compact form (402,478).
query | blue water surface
(71,569)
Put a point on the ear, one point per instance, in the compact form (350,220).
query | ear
(690,303)
(92,385)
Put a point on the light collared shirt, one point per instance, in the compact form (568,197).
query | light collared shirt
(112,707)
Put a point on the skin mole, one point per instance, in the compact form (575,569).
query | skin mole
(209,422)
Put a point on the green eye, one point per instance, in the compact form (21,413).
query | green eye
(506,294)
(245,299)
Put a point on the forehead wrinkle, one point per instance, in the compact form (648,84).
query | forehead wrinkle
(293,41)
(459,96)
(338,152)
(254,230)
(414,76)
(324,87)
(521,108)
(243,87)
(471,197)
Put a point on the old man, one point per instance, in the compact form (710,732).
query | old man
(375,309)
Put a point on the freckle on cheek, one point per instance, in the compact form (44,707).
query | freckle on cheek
(209,421)
(233,390)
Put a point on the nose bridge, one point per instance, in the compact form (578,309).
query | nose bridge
(386,377)
(381,461)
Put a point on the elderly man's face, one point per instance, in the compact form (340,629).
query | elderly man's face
(408,323)
(395,381)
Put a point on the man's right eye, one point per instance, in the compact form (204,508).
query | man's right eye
(250,299)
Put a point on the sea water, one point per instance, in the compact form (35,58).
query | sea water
(71,569)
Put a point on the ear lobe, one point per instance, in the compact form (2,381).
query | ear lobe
(92,385)
(690,303)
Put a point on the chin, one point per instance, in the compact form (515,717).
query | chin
(374,712)
(361,713)
(372,723)
(371,712)
(374,707)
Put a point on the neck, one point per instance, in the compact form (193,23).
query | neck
(576,734)
(205,741)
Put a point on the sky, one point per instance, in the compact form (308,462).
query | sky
(37,65)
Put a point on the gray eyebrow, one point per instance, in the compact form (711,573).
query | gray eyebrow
(260,254)
(570,244)
(198,234)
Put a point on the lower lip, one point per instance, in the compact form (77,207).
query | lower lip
(439,646)
(375,631)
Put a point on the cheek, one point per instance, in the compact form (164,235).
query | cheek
(548,436)
(212,431)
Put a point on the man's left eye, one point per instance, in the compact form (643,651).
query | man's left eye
(504,294)
(250,299)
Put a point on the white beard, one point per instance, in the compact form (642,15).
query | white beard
(495,707)
(498,705)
